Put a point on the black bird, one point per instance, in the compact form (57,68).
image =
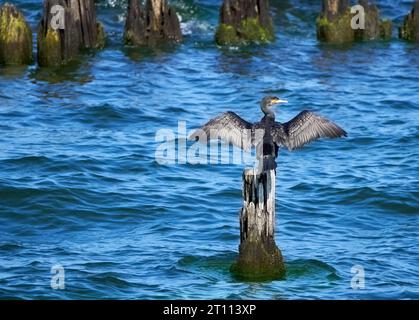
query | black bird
(267,135)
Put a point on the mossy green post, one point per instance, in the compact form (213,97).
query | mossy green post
(249,31)
(338,31)
(244,22)
(226,34)
(386,28)
(15,37)
(101,36)
(334,23)
(49,49)
(259,257)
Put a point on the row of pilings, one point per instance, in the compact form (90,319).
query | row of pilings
(69,26)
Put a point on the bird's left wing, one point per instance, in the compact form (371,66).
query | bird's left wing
(304,128)
(229,127)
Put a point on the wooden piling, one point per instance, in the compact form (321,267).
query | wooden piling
(259,256)
(375,28)
(155,24)
(334,23)
(80,30)
(15,37)
(244,22)
(410,29)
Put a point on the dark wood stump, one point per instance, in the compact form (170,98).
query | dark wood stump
(410,28)
(15,37)
(155,24)
(259,256)
(375,28)
(80,31)
(244,22)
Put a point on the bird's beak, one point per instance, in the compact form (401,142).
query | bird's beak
(279,101)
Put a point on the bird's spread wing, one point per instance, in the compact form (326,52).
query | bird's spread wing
(304,128)
(229,127)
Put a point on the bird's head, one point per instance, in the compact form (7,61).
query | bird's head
(268,102)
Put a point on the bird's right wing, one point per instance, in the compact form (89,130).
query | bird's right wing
(304,128)
(229,127)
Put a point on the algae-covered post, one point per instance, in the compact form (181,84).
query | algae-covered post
(410,28)
(63,33)
(337,23)
(156,23)
(15,37)
(244,22)
(334,22)
(259,256)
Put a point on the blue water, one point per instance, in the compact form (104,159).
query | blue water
(80,186)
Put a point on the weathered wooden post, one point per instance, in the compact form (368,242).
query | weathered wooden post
(375,28)
(15,37)
(259,256)
(410,28)
(154,24)
(334,22)
(243,22)
(78,29)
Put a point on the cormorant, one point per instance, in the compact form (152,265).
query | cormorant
(267,135)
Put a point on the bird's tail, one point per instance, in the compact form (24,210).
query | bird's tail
(268,162)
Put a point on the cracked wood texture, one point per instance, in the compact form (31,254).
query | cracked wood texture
(153,24)
(259,256)
(234,11)
(81,31)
